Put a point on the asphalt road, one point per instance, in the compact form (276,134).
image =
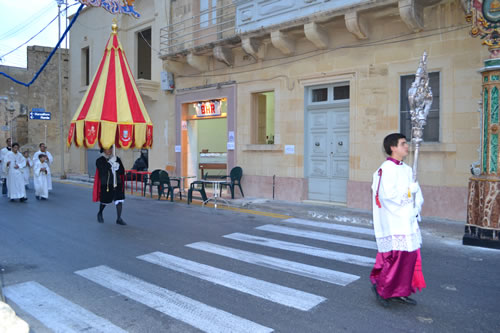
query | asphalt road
(63,270)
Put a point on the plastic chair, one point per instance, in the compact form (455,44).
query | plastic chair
(154,180)
(235,179)
(197,186)
(171,184)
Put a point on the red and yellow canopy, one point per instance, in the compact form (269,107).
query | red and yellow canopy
(112,111)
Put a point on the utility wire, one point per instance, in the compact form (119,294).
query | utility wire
(314,53)
(26,42)
(29,21)
(6,54)
(50,55)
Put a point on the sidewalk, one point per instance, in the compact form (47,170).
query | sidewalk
(325,212)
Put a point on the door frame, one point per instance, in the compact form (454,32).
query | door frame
(329,104)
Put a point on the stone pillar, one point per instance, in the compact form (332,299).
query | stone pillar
(483,208)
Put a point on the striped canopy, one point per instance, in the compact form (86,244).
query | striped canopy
(112,111)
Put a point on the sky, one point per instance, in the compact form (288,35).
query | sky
(23,19)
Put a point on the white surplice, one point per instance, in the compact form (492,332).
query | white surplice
(395,223)
(27,171)
(49,161)
(15,176)
(41,179)
(3,155)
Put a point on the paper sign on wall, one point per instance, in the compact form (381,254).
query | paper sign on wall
(230,145)
(230,136)
(184,125)
(289,149)
(177,148)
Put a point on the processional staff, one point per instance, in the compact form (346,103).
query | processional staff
(420,100)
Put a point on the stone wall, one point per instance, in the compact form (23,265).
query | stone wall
(43,93)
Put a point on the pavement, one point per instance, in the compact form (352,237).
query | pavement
(310,210)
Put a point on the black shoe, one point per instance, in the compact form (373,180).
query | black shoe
(23,199)
(37,197)
(381,300)
(11,200)
(120,222)
(405,300)
(44,198)
(99,218)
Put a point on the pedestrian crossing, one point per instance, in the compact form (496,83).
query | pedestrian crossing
(59,314)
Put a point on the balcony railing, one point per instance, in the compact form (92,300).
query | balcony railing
(210,26)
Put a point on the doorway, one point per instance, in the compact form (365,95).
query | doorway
(327,142)
(205,141)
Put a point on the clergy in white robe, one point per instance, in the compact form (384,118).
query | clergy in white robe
(3,175)
(397,201)
(13,167)
(41,175)
(50,159)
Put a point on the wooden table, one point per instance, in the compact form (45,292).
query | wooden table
(212,166)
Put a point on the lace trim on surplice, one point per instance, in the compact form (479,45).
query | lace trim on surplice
(408,243)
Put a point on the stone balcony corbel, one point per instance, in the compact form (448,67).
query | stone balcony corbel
(174,66)
(251,46)
(317,35)
(224,55)
(148,88)
(355,25)
(412,14)
(198,62)
(283,42)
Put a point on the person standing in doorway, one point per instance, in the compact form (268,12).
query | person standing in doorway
(13,168)
(108,184)
(3,175)
(50,159)
(397,201)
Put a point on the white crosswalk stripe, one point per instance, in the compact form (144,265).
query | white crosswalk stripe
(192,312)
(305,249)
(55,312)
(330,226)
(319,236)
(266,290)
(293,267)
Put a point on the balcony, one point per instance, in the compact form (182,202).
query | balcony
(212,28)
(204,30)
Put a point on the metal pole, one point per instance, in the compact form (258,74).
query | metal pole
(61,123)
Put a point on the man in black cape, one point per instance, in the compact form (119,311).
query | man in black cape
(109,184)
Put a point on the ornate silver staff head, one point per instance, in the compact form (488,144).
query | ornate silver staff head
(420,100)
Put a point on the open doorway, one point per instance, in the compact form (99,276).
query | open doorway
(204,139)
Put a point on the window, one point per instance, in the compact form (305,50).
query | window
(431,129)
(85,66)
(263,114)
(320,95)
(144,54)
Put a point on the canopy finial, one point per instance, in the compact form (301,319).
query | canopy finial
(114,26)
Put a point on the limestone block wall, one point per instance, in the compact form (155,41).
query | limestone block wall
(43,93)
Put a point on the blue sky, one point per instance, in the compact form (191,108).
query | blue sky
(21,20)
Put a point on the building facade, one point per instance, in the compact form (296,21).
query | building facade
(41,97)
(300,94)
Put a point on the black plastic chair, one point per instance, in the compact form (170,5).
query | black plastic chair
(197,186)
(171,184)
(154,180)
(235,180)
